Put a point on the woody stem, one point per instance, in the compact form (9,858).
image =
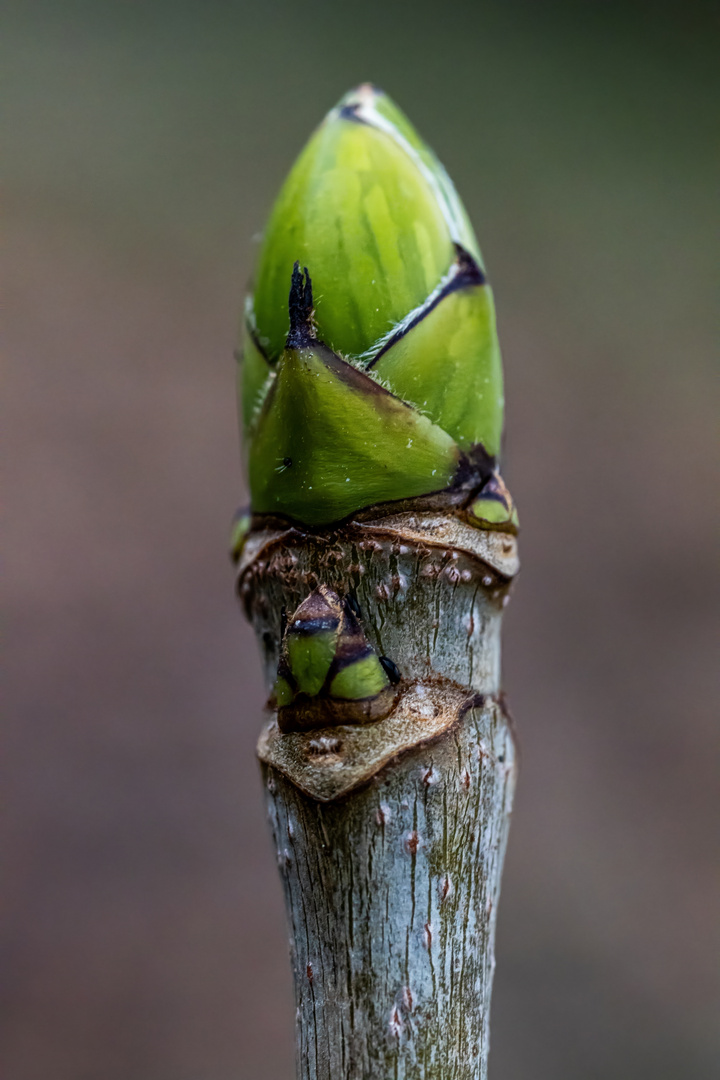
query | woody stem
(390,836)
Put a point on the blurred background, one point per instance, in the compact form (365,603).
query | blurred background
(142,920)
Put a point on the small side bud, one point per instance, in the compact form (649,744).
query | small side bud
(329,672)
(494,507)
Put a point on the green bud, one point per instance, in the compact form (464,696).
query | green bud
(382,379)
(309,645)
(326,657)
(494,507)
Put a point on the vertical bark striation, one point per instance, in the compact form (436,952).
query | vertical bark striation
(390,836)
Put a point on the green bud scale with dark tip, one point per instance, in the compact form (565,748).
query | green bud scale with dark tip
(371,368)
(494,507)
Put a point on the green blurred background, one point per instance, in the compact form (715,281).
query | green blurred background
(143,930)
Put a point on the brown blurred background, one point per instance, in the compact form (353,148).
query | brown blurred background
(143,934)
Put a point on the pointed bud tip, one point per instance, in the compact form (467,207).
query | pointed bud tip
(366,93)
(300,308)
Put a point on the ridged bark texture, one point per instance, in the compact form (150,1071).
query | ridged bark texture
(390,836)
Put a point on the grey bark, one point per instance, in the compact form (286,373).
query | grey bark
(390,836)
